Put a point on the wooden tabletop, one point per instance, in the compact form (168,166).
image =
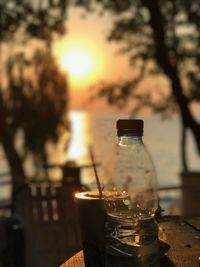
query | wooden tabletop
(183,235)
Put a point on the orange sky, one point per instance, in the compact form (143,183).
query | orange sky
(90,33)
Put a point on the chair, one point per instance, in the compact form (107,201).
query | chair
(50,212)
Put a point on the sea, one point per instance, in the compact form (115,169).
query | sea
(98,131)
(161,137)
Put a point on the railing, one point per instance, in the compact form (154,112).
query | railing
(71,173)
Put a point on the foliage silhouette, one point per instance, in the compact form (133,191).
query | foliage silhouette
(33,97)
(161,39)
(23,20)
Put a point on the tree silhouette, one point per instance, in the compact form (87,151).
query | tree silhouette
(161,38)
(22,20)
(33,94)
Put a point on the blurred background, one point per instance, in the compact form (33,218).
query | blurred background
(70,69)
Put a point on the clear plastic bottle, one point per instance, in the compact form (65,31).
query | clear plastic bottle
(130,191)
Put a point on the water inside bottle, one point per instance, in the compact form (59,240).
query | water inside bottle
(130,230)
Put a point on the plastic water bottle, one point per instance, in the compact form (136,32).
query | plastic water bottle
(130,192)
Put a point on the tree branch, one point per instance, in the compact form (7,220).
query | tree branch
(169,69)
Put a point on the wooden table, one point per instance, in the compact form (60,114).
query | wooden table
(183,235)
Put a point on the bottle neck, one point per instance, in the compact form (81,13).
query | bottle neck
(130,140)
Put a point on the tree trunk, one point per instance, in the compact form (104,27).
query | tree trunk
(183,149)
(14,161)
(169,69)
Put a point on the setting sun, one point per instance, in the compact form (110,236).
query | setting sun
(81,59)
(77,62)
